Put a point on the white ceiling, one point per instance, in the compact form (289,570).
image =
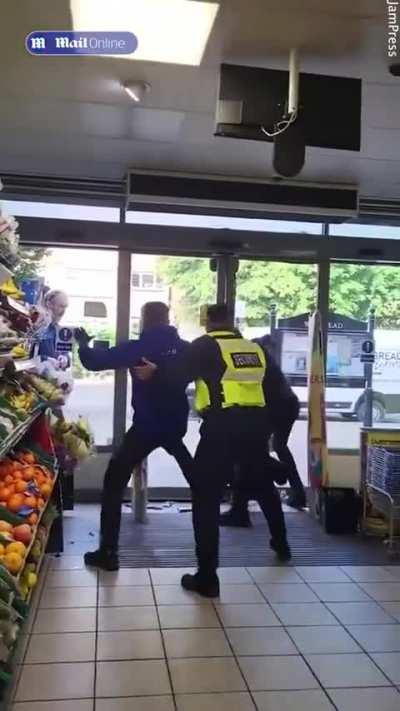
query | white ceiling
(69,117)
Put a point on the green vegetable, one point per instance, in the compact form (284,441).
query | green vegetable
(10,517)
(9,579)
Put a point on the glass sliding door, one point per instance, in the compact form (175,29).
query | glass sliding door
(269,291)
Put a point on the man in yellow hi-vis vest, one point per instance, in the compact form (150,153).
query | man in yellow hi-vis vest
(231,376)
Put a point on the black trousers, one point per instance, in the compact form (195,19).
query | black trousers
(135,447)
(232,438)
(282,428)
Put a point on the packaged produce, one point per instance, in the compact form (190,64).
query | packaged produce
(76,437)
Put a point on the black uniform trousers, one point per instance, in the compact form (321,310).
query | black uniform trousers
(282,427)
(231,438)
(135,447)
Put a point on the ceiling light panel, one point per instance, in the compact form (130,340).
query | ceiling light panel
(171,31)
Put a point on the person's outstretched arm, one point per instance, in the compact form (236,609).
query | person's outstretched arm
(125,355)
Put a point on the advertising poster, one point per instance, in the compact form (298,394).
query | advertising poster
(318,473)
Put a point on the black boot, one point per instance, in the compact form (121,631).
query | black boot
(235,518)
(104,558)
(205,585)
(282,550)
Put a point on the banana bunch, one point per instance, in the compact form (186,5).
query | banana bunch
(23,402)
(19,352)
(10,289)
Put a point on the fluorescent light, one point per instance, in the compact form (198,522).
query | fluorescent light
(172,31)
(136,90)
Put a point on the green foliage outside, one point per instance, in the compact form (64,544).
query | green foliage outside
(292,287)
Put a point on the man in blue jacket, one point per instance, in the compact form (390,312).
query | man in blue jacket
(160,417)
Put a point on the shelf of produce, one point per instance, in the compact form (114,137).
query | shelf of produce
(35,530)
(16,435)
(20,364)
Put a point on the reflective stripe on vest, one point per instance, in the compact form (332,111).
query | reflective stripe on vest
(242,382)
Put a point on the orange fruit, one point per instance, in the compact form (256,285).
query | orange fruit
(8,479)
(29,458)
(31,501)
(13,562)
(15,502)
(15,465)
(45,490)
(16,547)
(33,518)
(18,475)
(20,486)
(6,493)
(28,473)
(40,502)
(2,550)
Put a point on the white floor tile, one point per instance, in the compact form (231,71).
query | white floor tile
(205,675)
(309,613)
(346,670)
(390,665)
(196,643)
(231,576)
(321,574)
(339,592)
(71,579)
(187,616)
(275,575)
(292,701)
(287,592)
(383,592)
(124,576)
(237,701)
(377,638)
(247,616)
(176,595)
(66,562)
(56,681)
(392,608)
(116,646)
(240,593)
(132,678)
(253,641)
(323,640)
(73,647)
(115,619)
(169,576)
(365,699)
(136,703)
(394,571)
(68,597)
(81,705)
(277,673)
(368,573)
(359,613)
(119,596)
(71,620)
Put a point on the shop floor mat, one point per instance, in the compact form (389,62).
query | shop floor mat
(167,541)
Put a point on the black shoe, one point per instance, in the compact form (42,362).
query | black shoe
(296,501)
(235,520)
(205,586)
(282,550)
(102,558)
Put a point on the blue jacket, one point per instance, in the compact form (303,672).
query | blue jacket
(159,408)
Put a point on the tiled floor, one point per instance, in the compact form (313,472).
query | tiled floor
(278,639)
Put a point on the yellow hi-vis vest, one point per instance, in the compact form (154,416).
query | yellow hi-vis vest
(242,382)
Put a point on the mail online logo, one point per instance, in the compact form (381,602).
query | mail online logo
(78,43)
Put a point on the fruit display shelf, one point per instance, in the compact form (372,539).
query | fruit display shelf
(16,435)
(36,528)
